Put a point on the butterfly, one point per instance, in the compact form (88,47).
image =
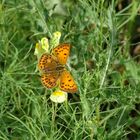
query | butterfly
(53,68)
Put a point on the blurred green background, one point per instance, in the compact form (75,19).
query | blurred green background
(104,60)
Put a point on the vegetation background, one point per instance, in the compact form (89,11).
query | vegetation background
(105,61)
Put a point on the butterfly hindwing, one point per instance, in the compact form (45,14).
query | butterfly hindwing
(67,82)
(50,80)
(62,53)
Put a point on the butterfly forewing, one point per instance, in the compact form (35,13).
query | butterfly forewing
(48,63)
(67,82)
(62,53)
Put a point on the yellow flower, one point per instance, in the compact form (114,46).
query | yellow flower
(41,47)
(59,96)
(55,39)
(45,43)
(37,47)
(57,35)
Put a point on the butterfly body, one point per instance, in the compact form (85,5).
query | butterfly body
(53,68)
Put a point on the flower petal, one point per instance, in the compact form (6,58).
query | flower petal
(45,43)
(58,96)
(55,39)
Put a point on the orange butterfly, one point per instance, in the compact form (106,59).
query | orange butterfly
(53,69)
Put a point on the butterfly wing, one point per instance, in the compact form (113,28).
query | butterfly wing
(67,82)
(48,63)
(50,80)
(62,52)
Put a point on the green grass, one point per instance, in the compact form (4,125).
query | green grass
(107,105)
